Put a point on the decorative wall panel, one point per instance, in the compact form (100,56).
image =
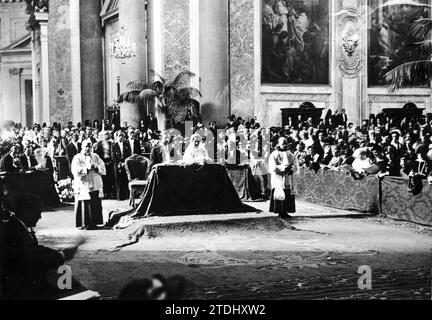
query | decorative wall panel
(176,37)
(59,45)
(242,57)
(349,43)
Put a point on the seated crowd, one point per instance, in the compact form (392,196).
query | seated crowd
(54,148)
(379,146)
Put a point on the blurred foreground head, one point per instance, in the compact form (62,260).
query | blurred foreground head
(156,288)
(28,209)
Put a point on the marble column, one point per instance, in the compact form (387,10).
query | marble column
(36,81)
(92,82)
(214,59)
(44,67)
(132,16)
(75,61)
(154,27)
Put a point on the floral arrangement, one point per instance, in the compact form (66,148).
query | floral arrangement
(65,190)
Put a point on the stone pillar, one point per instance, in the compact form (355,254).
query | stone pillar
(214,60)
(75,61)
(154,27)
(11,95)
(92,97)
(44,67)
(132,16)
(36,81)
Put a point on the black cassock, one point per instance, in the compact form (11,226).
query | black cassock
(119,158)
(104,150)
(92,212)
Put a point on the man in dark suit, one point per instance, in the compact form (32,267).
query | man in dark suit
(11,162)
(134,143)
(103,148)
(152,122)
(343,118)
(120,152)
(62,145)
(73,148)
(89,135)
(28,160)
(161,152)
(299,123)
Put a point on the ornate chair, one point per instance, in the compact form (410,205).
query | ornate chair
(136,170)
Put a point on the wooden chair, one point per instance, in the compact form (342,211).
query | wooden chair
(136,170)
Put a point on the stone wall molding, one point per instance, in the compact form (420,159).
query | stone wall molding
(349,43)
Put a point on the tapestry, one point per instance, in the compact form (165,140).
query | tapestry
(398,203)
(337,189)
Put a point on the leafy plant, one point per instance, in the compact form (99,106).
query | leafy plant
(417,65)
(172,97)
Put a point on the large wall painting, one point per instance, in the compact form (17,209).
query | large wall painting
(295,42)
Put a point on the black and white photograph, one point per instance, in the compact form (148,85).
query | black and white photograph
(218,155)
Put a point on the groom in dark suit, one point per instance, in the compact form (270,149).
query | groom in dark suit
(73,148)
(161,152)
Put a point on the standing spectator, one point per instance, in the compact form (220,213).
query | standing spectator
(152,122)
(73,148)
(134,143)
(343,118)
(120,152)
(103,148)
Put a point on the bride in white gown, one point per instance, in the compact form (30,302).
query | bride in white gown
(196,152)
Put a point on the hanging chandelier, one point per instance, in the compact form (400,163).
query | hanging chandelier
(123,48)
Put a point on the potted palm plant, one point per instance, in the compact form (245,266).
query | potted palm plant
(418,64)
(172,98)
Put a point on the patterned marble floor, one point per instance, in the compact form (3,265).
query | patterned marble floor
(309,258)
